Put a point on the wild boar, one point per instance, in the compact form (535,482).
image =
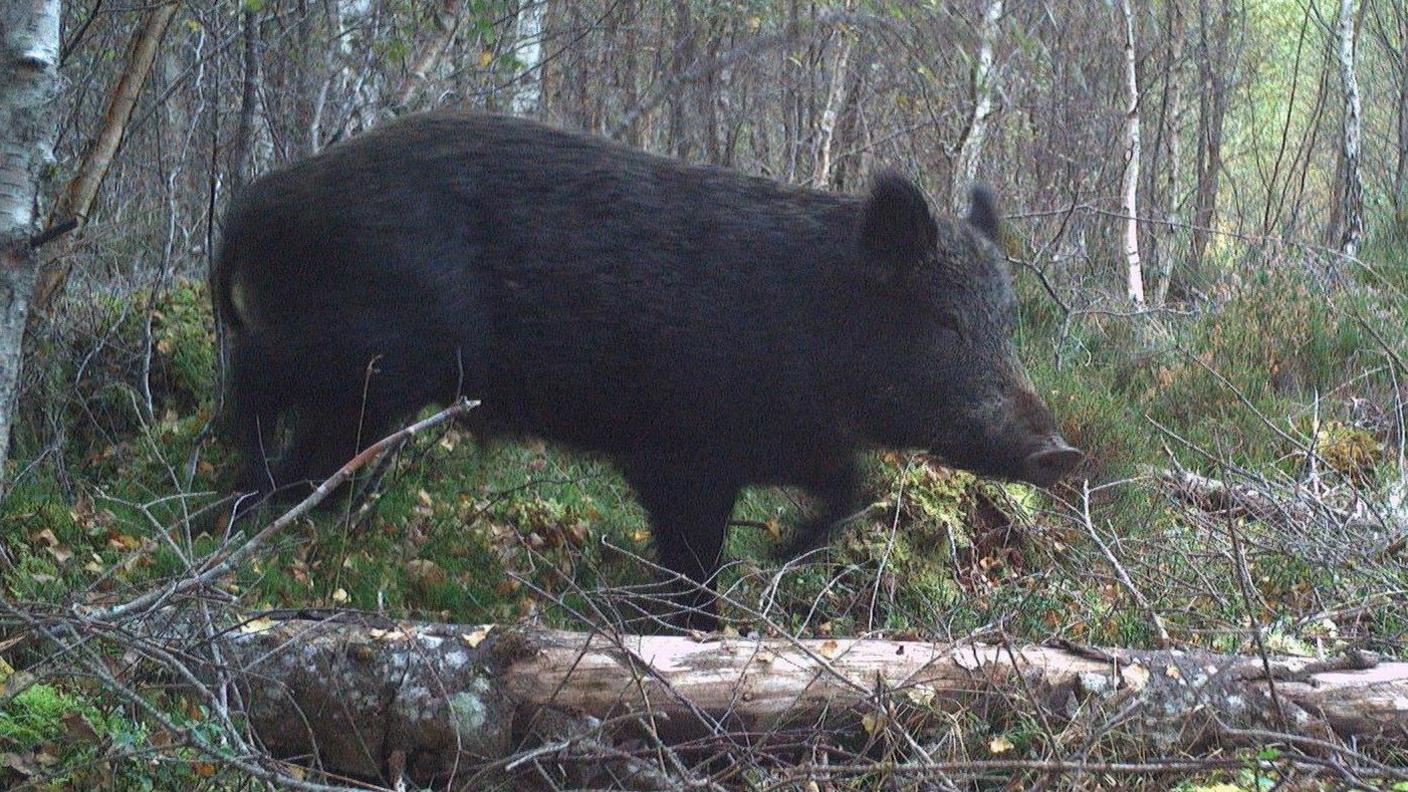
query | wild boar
(703,329)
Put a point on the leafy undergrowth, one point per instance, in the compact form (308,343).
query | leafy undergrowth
(1262,376)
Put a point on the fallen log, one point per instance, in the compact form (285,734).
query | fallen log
(368,697)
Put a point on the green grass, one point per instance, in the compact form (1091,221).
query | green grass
(1261,369)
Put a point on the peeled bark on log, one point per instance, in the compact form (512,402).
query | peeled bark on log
(366,696)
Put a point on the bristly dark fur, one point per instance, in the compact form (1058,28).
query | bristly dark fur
(704,329)
(983,214)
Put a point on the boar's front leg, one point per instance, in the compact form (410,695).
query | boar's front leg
(689,515)
(837,488)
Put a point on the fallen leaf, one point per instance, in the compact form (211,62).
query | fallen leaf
(339,596)
(1136,677)
(78,728)
(1000,745)
(923,695)
(473,639)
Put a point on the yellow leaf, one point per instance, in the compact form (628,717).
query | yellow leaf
(1135,676)
(923,695)
(485,58)
(477,637)
(1000,745)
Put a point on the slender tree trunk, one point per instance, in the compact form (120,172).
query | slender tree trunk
(965,171)
(1352,197)
(29,64)
(708,91)
(1212,111)
(528,93)
(679,141)
(791,101)
(1400,171)
(249,101)
(821,177)
(446,23)
(1167,152)
(78,199)
(630,93)
(1129,204)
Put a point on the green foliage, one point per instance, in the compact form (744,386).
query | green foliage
(55,738)
(463,531)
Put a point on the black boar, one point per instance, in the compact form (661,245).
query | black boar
(703,329)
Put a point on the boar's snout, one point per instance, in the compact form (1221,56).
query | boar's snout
(1050,461)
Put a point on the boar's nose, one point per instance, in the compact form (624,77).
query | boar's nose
(1050,462)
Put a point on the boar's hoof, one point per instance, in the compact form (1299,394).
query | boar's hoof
(1051,462)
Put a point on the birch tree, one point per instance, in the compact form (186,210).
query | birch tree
(1352,198)
(1129,192)
(528,92)
(834,98)
(29,64)
(965,172)
(77,200)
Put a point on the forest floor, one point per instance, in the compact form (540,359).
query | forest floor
(1253,377)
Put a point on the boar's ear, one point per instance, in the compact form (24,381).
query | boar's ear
(897,226)
(982,215)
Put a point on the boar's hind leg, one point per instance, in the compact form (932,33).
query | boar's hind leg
(689,515)
(837,490)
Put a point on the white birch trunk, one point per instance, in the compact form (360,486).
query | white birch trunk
(446,24)
(965,171)
(822,176)
(528,90)
(354,76)
(1129,204)
(29,63)
(1352,207)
